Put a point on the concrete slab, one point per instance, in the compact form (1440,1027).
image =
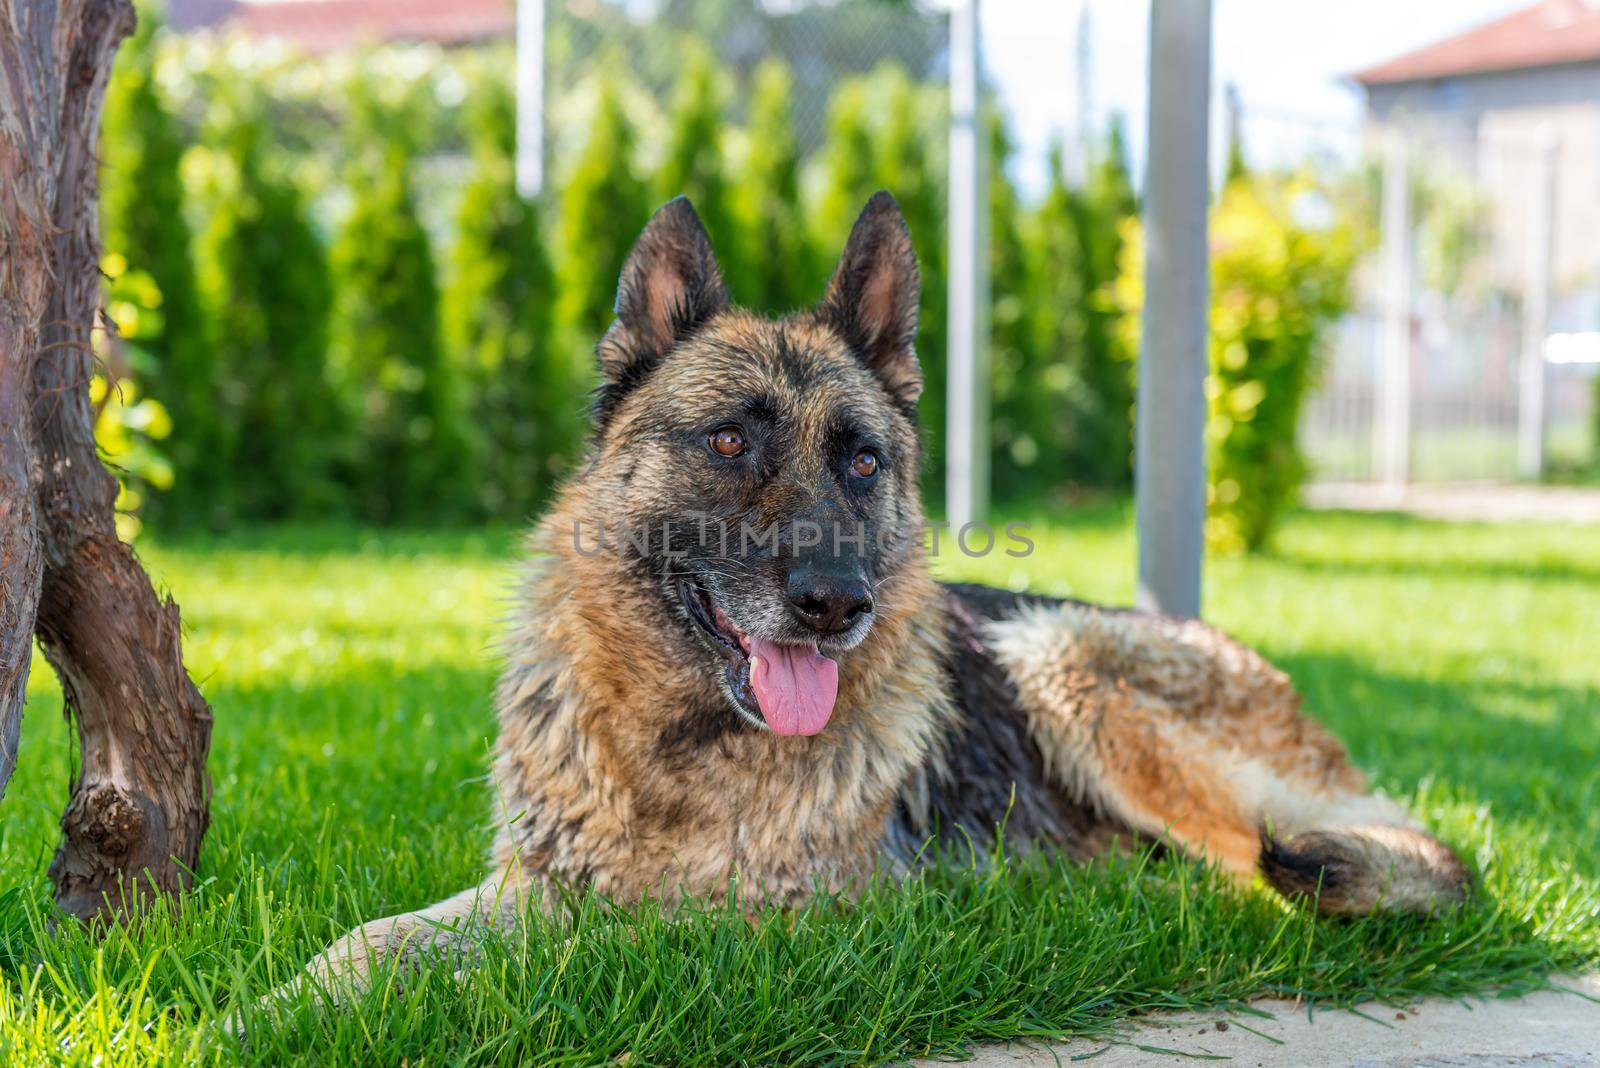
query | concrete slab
(1556,1028)
(1463,502)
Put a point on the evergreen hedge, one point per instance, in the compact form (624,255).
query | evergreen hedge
(778,269)
(315,358)
(603,203)
(411,457)
(499,324)
(277,423)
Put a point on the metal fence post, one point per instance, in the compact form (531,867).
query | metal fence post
(1536,311)
(530,97)
(1170,475)
(967,436)
(1080,161)
(1391,446)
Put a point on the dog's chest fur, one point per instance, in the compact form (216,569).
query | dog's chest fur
(620,768)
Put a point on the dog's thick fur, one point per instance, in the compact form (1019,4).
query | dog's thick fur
(626,764)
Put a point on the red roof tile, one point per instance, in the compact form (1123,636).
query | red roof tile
(1551,32)
(328,25)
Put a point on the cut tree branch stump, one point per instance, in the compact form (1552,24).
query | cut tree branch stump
(140,800)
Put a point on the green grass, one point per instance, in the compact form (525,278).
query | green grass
(351,672)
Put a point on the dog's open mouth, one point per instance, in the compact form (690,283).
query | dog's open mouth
(790,688)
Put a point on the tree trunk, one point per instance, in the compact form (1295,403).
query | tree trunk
(21,563)
(140,801)
(31,71)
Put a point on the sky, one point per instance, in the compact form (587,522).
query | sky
(1287,58)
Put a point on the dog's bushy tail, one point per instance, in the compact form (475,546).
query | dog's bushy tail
(1359,869)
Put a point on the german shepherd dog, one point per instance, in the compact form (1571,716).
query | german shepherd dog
(804,712)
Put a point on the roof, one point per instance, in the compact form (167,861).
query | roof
(329,25)
(1543,35)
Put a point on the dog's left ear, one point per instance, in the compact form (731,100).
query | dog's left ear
(670,286)
(872,297)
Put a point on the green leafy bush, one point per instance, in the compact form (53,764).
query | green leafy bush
(145,225)
(1100,445)
(1277,287)
(128,425)
(1062,369)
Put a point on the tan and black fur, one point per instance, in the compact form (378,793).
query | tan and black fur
(626,765)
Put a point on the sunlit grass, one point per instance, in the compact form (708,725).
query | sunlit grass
(350,673)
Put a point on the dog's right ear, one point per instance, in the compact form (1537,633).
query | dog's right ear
(670,287)
(871,300)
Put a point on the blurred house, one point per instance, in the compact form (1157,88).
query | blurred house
(1484,100)
(1479,113)
(328,25)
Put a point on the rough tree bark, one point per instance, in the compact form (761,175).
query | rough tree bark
(141,799)
(30,69)
(20,559)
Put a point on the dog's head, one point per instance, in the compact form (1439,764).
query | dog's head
(759,476)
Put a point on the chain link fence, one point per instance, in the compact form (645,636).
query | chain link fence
(646,42)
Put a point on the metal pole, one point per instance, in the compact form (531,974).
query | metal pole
(967,436)
(1082,160)
(1170,475)
(530,97)
(1391,446)
(1536,311)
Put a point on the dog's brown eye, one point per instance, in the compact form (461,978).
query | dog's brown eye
(865,465)
(729,441)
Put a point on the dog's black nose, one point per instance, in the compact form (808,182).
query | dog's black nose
(828,603)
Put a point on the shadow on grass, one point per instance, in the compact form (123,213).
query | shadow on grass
(1396,544)
(1398,566)
(1514,745)
(322,539)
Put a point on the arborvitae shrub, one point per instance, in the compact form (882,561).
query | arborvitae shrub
(848,171)
(603,204)
(1105,445)
(143,210)
(694,164)
(411,456)
(265,276)
(1024,421)
(474,415)
(778,271)
(523,387)
(1080,402)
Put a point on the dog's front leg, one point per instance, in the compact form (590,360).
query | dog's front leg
(449,930)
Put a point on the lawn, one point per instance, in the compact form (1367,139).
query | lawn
(350,673)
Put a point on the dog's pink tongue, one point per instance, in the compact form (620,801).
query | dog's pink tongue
(795,686)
